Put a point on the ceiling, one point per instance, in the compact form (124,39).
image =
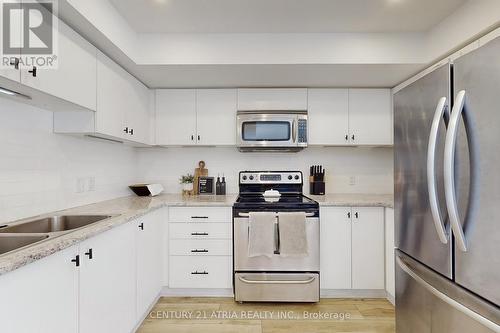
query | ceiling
(283,16)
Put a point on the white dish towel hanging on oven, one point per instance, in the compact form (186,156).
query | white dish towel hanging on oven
(261,238)
(292,234)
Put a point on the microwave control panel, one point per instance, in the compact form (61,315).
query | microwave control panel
(302,132)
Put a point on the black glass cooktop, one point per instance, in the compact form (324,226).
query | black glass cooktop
(285,201)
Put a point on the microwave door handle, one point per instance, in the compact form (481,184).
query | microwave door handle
(294,130)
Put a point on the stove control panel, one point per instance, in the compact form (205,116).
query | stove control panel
(271,177)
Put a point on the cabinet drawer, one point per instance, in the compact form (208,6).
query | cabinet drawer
(200,247)
(200,214)
(200,231)
(200,272)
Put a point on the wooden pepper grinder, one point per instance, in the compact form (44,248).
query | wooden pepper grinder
(200,171)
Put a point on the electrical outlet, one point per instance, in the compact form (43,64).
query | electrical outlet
(352,180)
(91,184)
(80,185)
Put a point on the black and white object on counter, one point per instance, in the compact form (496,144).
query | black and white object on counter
(206,185)
(145,190)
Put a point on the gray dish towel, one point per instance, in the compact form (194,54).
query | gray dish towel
(293,236)
(261,234)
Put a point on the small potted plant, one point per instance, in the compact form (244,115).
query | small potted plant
(187,183)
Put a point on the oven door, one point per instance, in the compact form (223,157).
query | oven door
(277,263)
(267,130)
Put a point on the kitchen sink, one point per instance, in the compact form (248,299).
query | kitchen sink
(53,224)
(14,242)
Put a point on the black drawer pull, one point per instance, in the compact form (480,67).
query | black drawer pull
(76,260)
(199,217)
(199,234)
(89,254)
(199,273)
(33,71)
(199,251)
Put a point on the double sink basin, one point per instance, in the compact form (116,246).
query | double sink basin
(22,234)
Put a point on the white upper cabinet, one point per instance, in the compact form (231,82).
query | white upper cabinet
(12,72)
(111,100)
(272,99)
(368,248)
(176,117)
(74,79)
(187,117)
(216,116)
(335,251)
(370,117)
(328,111)
(122,103)
(42,296)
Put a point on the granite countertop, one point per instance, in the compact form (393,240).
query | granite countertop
(355,200)
(123,210)
(126,209)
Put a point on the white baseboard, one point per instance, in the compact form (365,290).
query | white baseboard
(179,292)
(325,293)
(352,293)
(391,298)
(145,314)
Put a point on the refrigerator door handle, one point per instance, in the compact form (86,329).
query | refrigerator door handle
(431,177)
(450,301)
(449,171)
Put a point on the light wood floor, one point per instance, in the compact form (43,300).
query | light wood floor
(223,315)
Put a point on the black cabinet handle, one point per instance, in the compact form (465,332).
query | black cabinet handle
(76,260)
(89,254)
(131,131)
(192,137)
(199,137)
(199,273)
(15,62)
(141,226)
(346,137)
(199,234)
(349,215)
(126,130)
(199,251)
(356,215)
(199,217)
(352,137)
(33,71)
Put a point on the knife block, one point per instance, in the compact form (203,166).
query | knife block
(317,187)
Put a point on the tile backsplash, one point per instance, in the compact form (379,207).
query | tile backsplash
(42,172)
(348,169)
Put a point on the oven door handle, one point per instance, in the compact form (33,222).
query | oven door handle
(248,214)
(242,279)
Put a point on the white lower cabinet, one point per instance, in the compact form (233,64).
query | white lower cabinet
(149,258)
(104,284)
(200,248)
(368,248)
(335,247)
(108,281)
(390,269)
(352,248)
(200,272)
(42,296)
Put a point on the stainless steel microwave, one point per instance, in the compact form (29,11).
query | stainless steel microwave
(271,130)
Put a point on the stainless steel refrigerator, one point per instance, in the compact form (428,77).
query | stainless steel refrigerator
(447,197)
